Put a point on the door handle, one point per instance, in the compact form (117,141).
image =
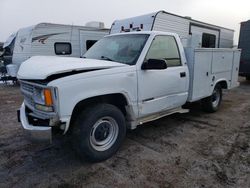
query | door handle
(183,74)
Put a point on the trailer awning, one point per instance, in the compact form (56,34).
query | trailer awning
(9,40)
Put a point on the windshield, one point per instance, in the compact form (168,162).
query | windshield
(120,48)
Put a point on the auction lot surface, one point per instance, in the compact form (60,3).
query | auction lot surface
(183,150)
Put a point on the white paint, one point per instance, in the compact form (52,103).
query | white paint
(40,67)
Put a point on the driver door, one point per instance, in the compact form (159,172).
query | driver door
(160,90)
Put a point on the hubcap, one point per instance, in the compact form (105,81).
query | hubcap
(216,98)
(104,133)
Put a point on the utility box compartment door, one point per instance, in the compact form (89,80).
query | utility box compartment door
(222,61)
(202,74)
(235,69)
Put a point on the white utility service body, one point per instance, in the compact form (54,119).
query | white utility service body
(123,80)
(47,39)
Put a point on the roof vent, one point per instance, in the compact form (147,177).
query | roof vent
(188,17)
(95,24)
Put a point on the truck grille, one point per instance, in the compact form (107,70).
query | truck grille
(28,91)
(31,93)
(27,87)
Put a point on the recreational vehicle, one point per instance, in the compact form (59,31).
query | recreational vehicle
(208,35)
(50,40)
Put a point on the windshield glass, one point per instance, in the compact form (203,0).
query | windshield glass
(120,48)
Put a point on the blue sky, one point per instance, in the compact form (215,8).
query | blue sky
(15,14)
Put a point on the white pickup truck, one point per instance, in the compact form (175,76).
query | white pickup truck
(124,80)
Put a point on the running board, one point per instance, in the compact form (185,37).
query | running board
(133,124)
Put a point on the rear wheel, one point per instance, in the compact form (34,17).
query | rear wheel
(247,77)
(212,103)
(98,132)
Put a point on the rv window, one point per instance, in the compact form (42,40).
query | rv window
(208,40)
(62,48)
(165,47)
(90,43)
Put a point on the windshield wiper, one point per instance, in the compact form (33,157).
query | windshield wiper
(106,58)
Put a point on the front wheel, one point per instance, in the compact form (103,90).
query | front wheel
(212,103)
(98,132)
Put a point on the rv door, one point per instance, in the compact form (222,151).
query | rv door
(209,37)
(88,38)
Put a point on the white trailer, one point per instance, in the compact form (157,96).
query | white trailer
(50,40)
(209,36)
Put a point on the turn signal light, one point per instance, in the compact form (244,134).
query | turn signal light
(48,97)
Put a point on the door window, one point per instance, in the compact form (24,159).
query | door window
(90,43)
(164,48)
(208,40)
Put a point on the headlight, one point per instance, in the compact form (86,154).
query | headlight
(44,108)
(43,98)
(42,95)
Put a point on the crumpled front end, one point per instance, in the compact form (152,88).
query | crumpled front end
(39,111)
(38,133)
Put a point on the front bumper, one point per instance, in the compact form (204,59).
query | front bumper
(35,133)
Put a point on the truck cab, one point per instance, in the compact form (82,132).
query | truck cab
(159,65)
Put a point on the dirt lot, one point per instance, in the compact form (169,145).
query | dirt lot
(184,150)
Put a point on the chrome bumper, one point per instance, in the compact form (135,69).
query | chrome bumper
(36,133)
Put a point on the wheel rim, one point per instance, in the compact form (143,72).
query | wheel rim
(104,133)
(216,98)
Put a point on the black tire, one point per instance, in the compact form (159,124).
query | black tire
(212,103)
(248,78)
(97,125)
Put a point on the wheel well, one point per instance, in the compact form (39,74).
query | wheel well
(117,100)
(223,84)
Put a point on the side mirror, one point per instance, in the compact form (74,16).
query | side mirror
(154,64)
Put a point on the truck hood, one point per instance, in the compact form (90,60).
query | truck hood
(41,67)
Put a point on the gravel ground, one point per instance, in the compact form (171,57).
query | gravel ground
(183,150)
